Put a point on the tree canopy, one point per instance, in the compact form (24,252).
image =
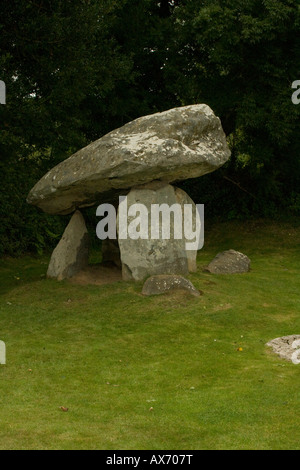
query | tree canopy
(75,70)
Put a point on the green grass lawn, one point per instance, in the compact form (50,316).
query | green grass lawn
(110,355)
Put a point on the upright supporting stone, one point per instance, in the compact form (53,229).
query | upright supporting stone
(71,253)
(153,253)
(183,198)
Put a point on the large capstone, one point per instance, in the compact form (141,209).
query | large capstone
(174,145)
(153,239)
(71,253)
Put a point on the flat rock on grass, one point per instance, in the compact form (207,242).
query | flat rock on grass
(285,347)
(229,262)
(163,283)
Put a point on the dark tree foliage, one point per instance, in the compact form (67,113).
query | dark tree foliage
(241,57)
(74,70)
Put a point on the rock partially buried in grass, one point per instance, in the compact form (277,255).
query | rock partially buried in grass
(229,262)
(178,144)
(163,283)
(287,347)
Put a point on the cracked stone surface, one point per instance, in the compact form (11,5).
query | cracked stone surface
(178,144)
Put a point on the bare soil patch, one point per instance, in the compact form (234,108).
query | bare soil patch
(98,274)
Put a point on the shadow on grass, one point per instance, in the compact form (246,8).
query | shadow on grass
(16,272)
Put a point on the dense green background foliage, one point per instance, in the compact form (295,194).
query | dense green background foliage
(75,70)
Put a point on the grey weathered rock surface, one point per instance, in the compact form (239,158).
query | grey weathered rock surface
(71,253)
(145,257)
(229,262)
(283,346)
(164,283)
(174,145)
(183,198)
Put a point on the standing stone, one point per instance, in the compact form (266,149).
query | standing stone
(229,262)
(183,198)
(143,257)
(71,253)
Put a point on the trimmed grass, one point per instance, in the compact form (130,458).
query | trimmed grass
(109,355)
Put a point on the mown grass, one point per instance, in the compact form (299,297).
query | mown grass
(110,355)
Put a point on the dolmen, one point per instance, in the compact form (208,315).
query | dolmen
(139,161)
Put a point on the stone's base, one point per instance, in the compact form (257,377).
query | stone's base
(71,253)
(126,273)
(150,256)
(183,198)
(140,273)
(162,284)
(229,262)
